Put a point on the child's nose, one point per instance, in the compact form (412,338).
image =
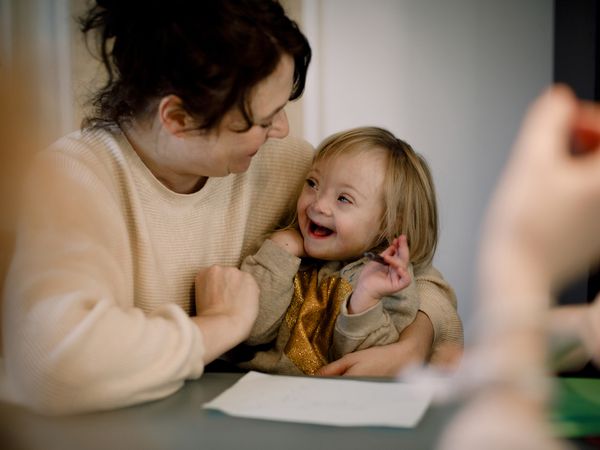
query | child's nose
(321,205)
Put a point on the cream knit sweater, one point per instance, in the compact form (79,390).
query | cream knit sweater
(101,286)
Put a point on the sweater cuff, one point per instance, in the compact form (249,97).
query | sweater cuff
(361,324)
(191,339)
(276,259)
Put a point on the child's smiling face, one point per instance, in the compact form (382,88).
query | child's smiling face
(341,205)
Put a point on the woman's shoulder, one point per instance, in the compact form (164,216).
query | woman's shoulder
(97,150)
(88,156)
(87,144)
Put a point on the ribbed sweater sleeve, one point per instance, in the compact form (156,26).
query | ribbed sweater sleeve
(75,341)
(439,302)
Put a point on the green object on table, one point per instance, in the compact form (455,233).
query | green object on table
(576,407)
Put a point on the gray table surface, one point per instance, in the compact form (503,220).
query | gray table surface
(180,422)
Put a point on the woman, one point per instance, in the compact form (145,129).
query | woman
(540,233)
(123,283)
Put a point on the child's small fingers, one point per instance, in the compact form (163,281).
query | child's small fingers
(392,259)
(403,250)
(396,264)
(402,241)
(389,251)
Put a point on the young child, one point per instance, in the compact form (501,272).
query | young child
(366,191)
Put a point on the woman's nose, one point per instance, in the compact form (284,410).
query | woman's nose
(280,127)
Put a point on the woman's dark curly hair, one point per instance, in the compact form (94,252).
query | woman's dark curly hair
(209,53)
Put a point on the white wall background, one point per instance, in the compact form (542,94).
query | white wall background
(451,77)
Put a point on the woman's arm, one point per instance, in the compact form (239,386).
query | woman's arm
(439,303)
(413,347)
(226,307)
(75,337)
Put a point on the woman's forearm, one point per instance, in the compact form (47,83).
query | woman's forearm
(220,334)
(418,336)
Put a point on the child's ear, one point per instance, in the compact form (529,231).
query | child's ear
(173,117)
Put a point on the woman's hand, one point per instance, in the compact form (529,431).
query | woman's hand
(542,227)
(541,231)
(226,307)
(290,240)
(575,333)
(378,280)
(412,349)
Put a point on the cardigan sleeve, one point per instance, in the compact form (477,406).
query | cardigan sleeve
(74,341)
(439,302)
(273,269)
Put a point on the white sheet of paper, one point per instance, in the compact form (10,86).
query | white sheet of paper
(324,401)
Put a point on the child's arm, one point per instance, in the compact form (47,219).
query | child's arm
(290,240)
(379,323)
(273,267)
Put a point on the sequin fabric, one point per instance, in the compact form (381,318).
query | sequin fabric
(311,318)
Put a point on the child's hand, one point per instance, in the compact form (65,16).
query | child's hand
(378,280)
(290,240)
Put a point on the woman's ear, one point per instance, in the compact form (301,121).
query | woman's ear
(173,116)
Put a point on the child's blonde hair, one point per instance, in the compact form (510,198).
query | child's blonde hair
(409,193)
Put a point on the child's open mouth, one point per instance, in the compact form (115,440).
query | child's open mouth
(319,231)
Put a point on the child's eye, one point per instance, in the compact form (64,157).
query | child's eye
(266,126)
(311,183)
(344,199)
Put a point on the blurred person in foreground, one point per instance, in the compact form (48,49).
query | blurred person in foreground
(542,230)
